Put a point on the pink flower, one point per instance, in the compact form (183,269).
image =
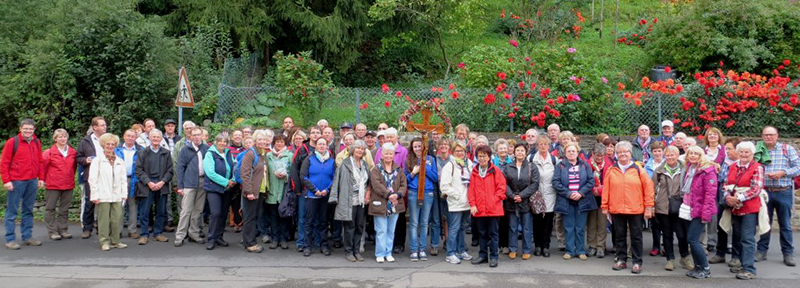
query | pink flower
(385,88)
(461,65)
(605,81)
(571,50)
(513,43)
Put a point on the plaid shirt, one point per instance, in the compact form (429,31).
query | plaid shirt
(756,183)
(784,158)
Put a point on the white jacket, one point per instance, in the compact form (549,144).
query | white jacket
(451,186)
(108,183)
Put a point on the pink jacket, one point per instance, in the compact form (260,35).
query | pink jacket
(703,195)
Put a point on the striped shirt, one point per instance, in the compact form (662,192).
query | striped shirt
(574,179)
(784,158)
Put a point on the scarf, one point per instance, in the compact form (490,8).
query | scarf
(360,183)
(465,171)
(323,157)
(598,169)
(670,170)
(278,153)
(482,171)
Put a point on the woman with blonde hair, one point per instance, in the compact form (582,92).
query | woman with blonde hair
(109,188)
(699,189)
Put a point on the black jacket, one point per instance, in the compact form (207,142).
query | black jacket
(300,154)
(523,182)
(187,172)
(85,150)
(153,163)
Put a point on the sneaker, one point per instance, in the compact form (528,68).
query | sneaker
(423,256)
(12,246)
(736,270)
(105,247)
(390,259)
(654,252)
(537,251)
(379,259)
(761,256)
(120,246)
(700,274)
(567,256)
(178,243)
(583,257)
(745,276)
(465,256)
(273,245)
(670,265)
(512,255)
(452,259)
(592,252)
(86,234)
(65,235)
(284,245)
(637,269)
(735,263)
(266,240)
(55,237)
(562,247)
(350,258)
(601,254)
(619,266)
(143,241)
(326,252)
(434,251)
(687,263)
(255,249)
(717,259)
(33,242)
(359,258)
(414,257)
(526,256)
(306,252)
(788,260)
(546,253)
(161,238)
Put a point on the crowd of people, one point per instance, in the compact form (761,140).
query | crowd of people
(312,187)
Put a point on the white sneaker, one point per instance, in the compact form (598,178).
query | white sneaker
(452,259)
(465,256)
(390,258)
(379,259)
(414,257)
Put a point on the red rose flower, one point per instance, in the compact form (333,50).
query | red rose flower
(489,99)
(454,94)
(387,104)
(385,88)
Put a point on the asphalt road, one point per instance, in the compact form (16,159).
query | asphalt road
(81,263)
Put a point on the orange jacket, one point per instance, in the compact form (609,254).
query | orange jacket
(629,192)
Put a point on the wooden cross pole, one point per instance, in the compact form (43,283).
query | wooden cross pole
(423,128)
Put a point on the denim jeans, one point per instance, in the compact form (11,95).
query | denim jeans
(301,221)
(436,222)
(455,233)
(781,202)
(744,240)
(575,230)
(263,223)
(144,213)
(25,192)
(419,219)
(316,223)
(696,227)
(384,234)
(488,228)
(514,219)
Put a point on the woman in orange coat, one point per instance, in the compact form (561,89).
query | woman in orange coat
(487,190)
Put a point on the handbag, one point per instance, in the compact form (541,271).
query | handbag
(536,201)
(288,204)
(675,204)
(685,212)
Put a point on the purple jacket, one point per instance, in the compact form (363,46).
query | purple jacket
(720,155)
(702,197)
(400,155)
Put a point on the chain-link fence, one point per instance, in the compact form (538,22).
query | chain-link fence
(240,96)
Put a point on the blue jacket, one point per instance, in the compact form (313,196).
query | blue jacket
(431,177)
(120,152)
(317,175)
(218,168)
(187,169)
(561,185)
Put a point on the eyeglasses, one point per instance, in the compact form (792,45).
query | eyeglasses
(769,135)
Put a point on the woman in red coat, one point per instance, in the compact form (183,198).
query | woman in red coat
(58,174)
(487,190)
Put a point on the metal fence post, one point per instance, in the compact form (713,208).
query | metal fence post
(358,106)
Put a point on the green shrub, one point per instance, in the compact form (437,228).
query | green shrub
(743,35)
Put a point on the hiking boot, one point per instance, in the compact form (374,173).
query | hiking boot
(745,276)
(670,265)
(273,245)
(133,235)
(716,259)
(55,237)
(359,258)
(86,234)
(788,260)
(526,256)
(761,256)
(161,238)
(120,245)
(65,235)
(142,240)
(33,242)
(255,249)
(687,263)
(735,263)
(350,258)
(434,251)
(512,255)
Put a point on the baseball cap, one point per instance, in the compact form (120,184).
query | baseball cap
(666,123)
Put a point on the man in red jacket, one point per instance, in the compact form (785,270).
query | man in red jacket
(21,162)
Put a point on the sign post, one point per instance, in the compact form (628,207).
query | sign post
(184,99)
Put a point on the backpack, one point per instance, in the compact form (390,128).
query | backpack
(238,167)
(288,204)
(796,180)
(16,146)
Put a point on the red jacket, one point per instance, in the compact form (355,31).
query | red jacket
(488,193)
(27,161)
(58,172)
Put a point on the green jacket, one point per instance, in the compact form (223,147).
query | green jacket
(276,184)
